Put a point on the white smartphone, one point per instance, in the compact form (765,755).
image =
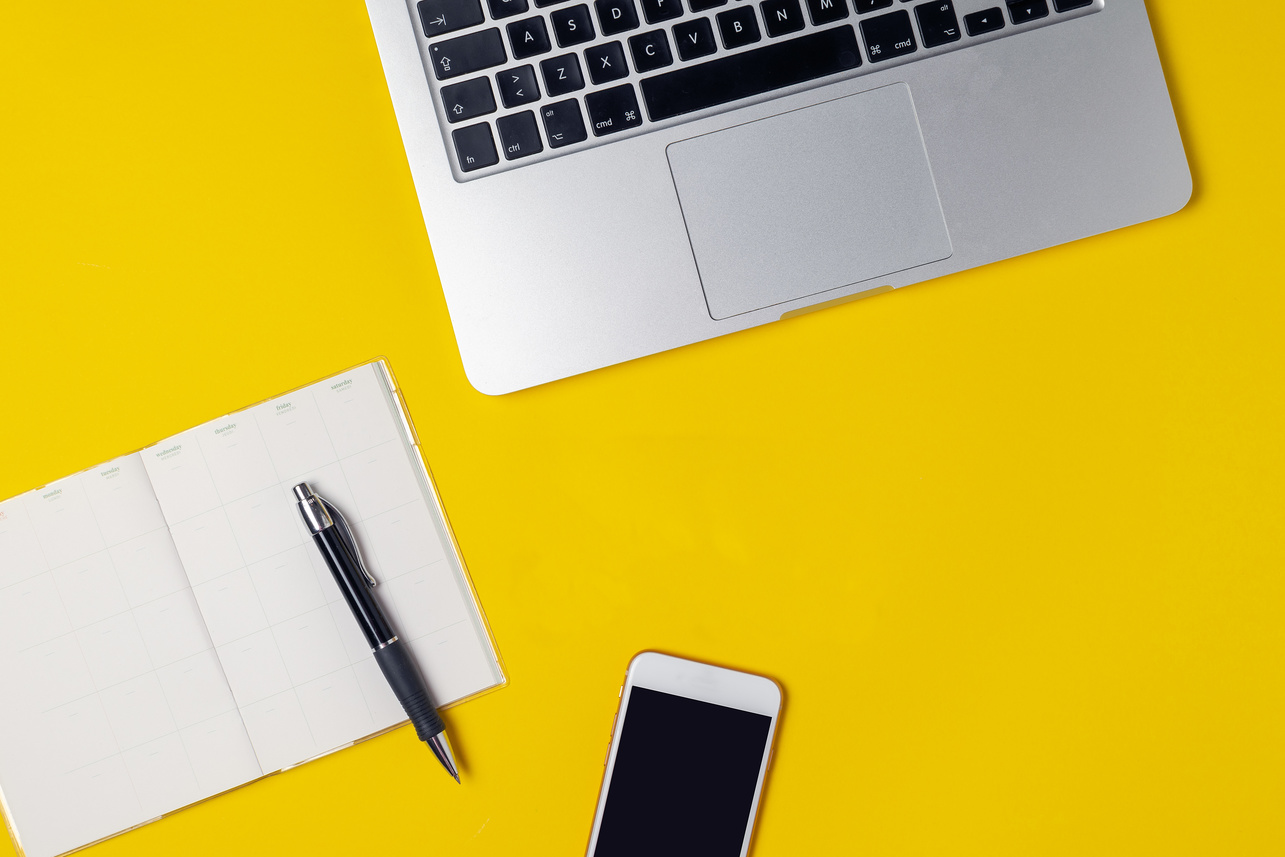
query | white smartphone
(689,751)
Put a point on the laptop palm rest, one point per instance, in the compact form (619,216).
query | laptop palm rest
(804,202)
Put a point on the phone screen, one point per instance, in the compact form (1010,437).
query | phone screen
(684,778)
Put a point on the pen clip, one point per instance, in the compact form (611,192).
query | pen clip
(345,535)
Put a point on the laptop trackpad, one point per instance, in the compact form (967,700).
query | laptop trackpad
(807,201)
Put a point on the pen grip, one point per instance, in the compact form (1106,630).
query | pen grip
(409,688)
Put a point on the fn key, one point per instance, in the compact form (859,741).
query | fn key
(475,147)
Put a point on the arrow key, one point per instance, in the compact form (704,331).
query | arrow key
(1022,11)
(446,16)
(986,21)
(468,99)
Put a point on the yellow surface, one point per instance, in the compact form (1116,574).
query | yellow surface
(1011,540)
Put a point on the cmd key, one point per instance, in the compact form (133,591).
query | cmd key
(888,36)
(613,110)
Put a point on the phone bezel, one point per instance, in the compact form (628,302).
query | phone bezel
(705,682)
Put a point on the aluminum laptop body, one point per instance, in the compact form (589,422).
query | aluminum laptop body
(735,162)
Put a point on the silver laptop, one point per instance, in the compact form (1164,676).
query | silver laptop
(606,179)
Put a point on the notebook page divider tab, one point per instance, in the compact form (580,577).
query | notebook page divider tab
(382,366)
(399,401)
(407,425)
(455,557)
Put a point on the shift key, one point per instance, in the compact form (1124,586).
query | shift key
(467,54)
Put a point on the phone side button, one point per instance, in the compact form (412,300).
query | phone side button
(608,756)
(771,754)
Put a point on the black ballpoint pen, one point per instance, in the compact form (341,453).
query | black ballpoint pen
(331,533)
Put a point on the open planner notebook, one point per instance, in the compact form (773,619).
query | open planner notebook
(169,631)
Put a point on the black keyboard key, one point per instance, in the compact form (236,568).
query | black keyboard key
(467,54)
(613,110)
(518,135)
(445,16)
(518,86)
(888,36)
(781,17)
(864,6)
(937,23)
(572,26)
(542,3)
(827,11)
(606,62)
(1027,10)
(1068,5)
(616,16)
(506,8)
(738,27)
(773,66)
(563,123)
(661,10)
(528,37)
(475,147)
(694,38)
(468,99)
(562,75)
(702,5)
(985,21)
(651,51)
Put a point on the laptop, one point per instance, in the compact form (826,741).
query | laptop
(607,179)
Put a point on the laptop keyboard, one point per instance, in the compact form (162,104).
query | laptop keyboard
(519,81)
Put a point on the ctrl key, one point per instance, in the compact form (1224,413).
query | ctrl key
(475,147)
(518,135)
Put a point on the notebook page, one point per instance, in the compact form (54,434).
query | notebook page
(299,668)
(115,708)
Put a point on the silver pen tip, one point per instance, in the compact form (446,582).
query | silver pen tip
(442,750)
(304,491)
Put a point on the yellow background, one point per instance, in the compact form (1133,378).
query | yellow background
(1010,540)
